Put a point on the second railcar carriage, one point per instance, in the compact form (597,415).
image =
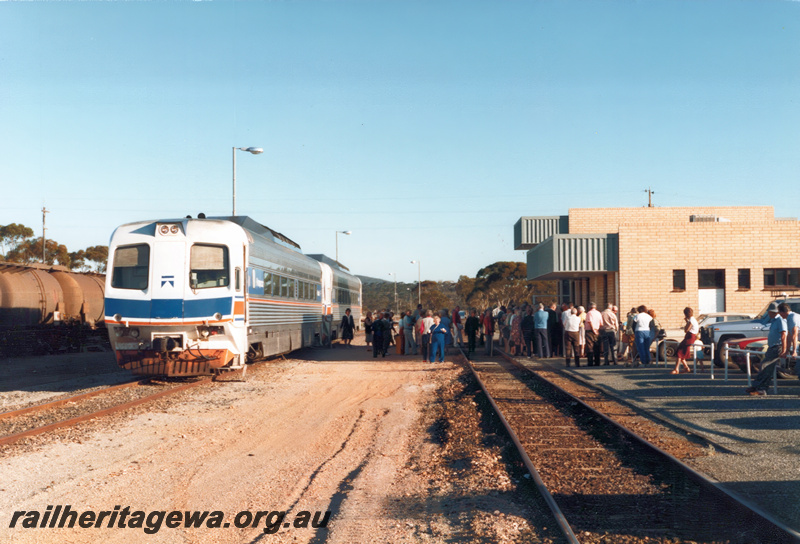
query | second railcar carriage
(195,296)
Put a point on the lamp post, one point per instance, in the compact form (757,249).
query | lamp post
(254,151)
(419,282)
(338,232)
(396,310)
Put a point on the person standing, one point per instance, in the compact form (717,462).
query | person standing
(581,313)
(419,313)
(408,334)
(388,331)
(777,350)
(439,333)
(540,319)
(692,328)
(593,322)
(488,331)
(347,326)
(368,330)
(656,333)
(642,334)
(425,335)
(609,326)
(554,330)
(563,316)
(527,326)
(793,327)
(377,336)
(472,326)
(515,340)
(572,327)
(458,339)
(629,338)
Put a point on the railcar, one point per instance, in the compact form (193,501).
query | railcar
(48,309)
(189,297)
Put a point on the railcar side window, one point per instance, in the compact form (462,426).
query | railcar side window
(267,284)
(131,267)
(208,267)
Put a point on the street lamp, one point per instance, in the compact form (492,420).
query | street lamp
(338,232)
(396,309)
(254,151)
(419,282)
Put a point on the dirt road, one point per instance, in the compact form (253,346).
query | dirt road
(328,431)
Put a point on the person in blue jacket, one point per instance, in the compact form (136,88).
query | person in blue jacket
(439,332)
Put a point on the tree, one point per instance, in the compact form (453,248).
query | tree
(78,260)
(13,235)
(30,251)
(99,256)
(504,282)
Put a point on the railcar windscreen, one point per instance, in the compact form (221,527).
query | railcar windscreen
(209,267)
(131,267)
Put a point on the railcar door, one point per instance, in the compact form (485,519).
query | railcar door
(327,303)
(168,273)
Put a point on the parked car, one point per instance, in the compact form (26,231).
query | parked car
(674,336)
(750,328)
(757,348)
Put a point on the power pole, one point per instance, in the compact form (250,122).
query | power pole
(650,194)
(44,239)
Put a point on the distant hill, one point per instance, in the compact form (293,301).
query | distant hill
(367,280)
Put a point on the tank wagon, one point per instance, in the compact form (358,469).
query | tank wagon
(46,308)
(189,297)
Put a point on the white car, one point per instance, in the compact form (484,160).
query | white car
(674,336)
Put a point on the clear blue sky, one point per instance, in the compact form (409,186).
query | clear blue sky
(425,128)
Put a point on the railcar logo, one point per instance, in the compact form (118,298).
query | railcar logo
(168,280)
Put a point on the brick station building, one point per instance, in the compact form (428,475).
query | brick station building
(712,259)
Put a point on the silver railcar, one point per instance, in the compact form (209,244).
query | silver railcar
(190,297)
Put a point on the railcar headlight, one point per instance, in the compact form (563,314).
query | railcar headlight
(217,316)
(204,332)
(134,333)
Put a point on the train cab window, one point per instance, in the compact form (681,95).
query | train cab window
(131,267)
(208,267)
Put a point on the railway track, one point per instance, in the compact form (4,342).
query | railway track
(28,422)
(604,482)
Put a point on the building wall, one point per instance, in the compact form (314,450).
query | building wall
(649,253)
(604,220)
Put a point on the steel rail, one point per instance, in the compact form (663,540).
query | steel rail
(74,398)
(561,520)
(698,477)
(10,439)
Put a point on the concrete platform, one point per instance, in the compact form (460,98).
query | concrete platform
(757,439)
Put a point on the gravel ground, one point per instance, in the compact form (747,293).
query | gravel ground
(396,449)
(25,381)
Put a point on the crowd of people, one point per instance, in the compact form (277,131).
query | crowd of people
(527,330)
(570,331)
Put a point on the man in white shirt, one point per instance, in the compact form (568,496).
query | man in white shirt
(572,336)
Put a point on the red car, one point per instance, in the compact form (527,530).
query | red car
(757,348)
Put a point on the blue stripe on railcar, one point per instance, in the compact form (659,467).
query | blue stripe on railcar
(168,308)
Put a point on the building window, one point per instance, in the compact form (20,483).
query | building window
(782,277)
(744,279)
(711,279)
(679,280)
